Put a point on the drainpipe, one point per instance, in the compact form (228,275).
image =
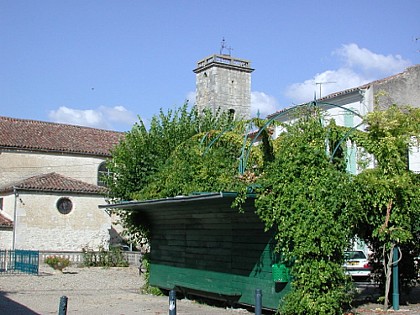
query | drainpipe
(14,218)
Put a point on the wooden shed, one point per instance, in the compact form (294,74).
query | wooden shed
(201,245)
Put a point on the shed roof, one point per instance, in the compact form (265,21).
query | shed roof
(36,135)
(53,182)
(171,201)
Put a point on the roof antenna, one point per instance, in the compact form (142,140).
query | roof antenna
(223,47)
(320,86)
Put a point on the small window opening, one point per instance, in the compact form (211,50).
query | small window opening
(231,114)
(103,173)
(64,205)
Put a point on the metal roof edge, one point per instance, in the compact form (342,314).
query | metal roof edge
(176,199)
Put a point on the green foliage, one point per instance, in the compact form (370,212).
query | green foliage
(389,193)
(57,262)
(147,288)
(392,206)
(198,165)
(103,258)
(170,158)
(389,135)
(145,150)
(320,288)
(304,191)
(308,199)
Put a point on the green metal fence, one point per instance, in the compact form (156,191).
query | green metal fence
(19,261)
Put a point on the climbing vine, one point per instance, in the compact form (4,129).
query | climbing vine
(303,190)
(389,192)
(309,201)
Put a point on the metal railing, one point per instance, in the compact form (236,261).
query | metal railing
(19,261)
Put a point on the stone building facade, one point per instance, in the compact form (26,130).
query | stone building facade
(224,83)
(349,106)
(49,192)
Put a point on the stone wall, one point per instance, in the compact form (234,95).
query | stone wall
(19,165)
(40,226)
(224,83)
(6,238)
(401,89)
(76,258)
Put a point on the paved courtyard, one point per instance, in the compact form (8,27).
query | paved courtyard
(90,291)
(98,291)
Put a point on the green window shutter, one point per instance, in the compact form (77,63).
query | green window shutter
(351,150)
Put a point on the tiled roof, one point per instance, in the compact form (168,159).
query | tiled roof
(53,182)
(52,137)
(5,222)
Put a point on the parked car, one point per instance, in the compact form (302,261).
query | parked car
(122,247)
(357,265)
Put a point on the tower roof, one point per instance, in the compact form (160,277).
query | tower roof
(224,61)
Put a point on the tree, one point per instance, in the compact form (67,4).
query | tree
(141,166)
(203,163)
(305,194)
(308,199)
(389,192)
(144,150)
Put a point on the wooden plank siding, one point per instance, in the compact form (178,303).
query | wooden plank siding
(204,246)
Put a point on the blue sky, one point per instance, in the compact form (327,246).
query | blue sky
(102,63)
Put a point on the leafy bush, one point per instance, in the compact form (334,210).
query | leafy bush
(57,263)
(147,288)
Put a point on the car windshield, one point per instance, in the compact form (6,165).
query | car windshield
(354,255)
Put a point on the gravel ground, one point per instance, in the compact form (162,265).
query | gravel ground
(117,291)
(91,291)
(409,304)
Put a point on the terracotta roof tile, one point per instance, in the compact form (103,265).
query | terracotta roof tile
(45,136)
(5,222)
(54,182)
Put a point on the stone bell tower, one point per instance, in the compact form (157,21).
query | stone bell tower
(224,82)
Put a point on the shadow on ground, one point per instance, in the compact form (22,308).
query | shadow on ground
(8,306)
(370,293)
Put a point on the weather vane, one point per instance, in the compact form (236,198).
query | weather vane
(223,47)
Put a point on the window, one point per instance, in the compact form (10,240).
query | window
(231,114)
(103,172)
(64,205)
